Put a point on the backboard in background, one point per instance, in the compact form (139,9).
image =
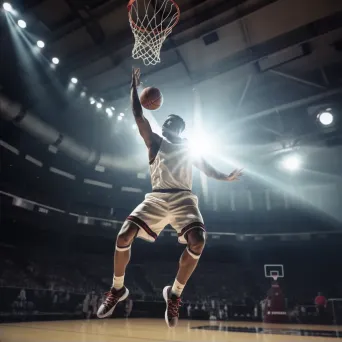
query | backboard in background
(274,271)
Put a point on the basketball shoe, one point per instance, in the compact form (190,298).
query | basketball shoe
(113,297)
(172,307)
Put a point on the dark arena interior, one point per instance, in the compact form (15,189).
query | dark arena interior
(259,86)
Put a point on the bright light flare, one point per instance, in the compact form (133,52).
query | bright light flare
(292,162)
(40,44)
(200,144)
(119,118)
(74,80)
(55,60)
(22,24)
(122,114)
(325,118)
(92,100)
(109,112)
(7,7)
(99,105)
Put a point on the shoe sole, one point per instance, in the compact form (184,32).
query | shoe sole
(110,312)
(166,297)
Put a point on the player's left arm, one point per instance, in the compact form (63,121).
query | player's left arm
(211,172)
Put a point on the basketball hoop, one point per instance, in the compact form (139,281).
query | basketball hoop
(151,22)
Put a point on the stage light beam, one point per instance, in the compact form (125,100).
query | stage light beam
(325,118)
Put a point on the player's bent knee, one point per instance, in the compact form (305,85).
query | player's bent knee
(126,235)
(196,241)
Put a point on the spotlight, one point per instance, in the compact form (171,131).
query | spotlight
(122,114)
(109,112)
(40,44)
(21,23)
(325,118)
(74,80)
(112,108)
(291,163)
(99,105)
(7,7)
(55,60)
(119,118)
(92,100)
(134,126)
(200,145)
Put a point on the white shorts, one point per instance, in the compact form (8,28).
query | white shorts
(180,210)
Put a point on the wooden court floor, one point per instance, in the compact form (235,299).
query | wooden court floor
(141,330)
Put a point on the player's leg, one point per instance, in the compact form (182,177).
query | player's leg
(144,222)
(184,207)
(187,264)
(122,255)
(189,259)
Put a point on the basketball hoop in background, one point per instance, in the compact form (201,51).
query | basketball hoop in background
(274,271)
(151,22)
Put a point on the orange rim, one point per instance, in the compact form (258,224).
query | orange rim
(129,7)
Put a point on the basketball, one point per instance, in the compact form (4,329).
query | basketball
(151,98)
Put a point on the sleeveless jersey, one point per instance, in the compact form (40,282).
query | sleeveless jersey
(172,167)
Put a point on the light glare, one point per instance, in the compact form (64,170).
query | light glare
(326,118)
(122,114)
(134,126)
(40,44)
(7,7)
(74,80)
(99,105)
(200,145)
(109,112)
(92,100)
(83,94)
(55,60)
(291,163)
(21,23)
(119,118)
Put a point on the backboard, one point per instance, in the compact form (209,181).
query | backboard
(274,271)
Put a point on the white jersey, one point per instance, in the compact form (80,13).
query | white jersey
(172,167)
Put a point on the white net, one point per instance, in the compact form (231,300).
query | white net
(151,22)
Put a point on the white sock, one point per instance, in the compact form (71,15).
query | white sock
(118,282)
(177,288)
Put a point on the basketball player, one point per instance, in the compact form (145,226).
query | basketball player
(171,202)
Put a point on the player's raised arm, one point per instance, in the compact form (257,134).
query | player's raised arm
(211,172)
(142,123)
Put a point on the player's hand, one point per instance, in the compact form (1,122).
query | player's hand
(235,175)
(135,77)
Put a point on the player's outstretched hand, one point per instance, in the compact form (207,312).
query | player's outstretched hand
(135,77)
(235,175)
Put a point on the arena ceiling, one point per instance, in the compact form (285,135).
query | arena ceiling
(258,71)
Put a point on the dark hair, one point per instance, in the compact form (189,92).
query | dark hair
(178,118)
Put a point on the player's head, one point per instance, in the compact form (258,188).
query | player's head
(174,125)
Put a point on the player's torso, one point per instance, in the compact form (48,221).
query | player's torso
(172,167)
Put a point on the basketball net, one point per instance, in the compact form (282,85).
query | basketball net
(151,22)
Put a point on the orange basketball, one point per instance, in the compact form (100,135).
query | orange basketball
(151,98)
